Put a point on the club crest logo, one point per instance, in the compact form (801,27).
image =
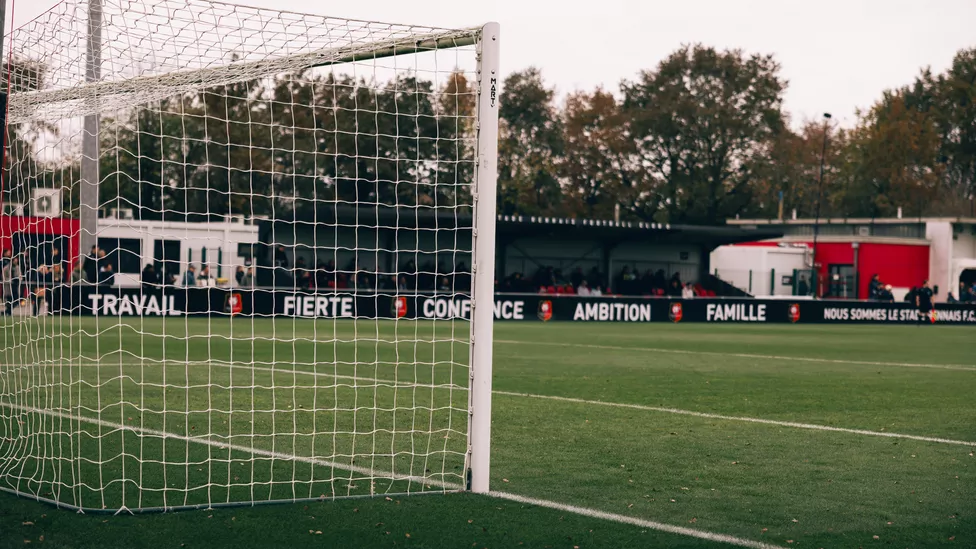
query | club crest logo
(676,312)
(545,310)
(794,312)
(400,307)
(233,304)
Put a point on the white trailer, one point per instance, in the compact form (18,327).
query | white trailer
(174,245)
(761,270)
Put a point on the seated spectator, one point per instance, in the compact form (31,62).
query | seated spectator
(78,274)
(584,289)
(951,298)
(239,275)
(190,276)
(886,295)
(444,285)
(687,292)
(596,292)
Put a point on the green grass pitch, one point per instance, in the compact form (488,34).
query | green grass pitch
(654,422)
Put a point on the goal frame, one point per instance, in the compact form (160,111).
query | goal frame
(483,187)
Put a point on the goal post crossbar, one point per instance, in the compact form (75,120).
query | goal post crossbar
(22,106)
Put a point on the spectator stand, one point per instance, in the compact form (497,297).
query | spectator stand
(419,249)
(559,255)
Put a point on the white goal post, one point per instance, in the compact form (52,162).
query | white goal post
(269,274)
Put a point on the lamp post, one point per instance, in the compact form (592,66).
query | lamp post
(816,223)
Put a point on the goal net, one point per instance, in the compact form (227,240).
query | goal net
(247,256)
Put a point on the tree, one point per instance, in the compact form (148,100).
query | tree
(950,100)
(892,161)
(703,121)
(600,162)
(530,146)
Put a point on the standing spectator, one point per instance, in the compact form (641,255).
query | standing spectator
(239,275)
(7,274)
(462,277)
(149,277)
(204,278)
(280,257)
(190,277)
(91,265)
(675,285)
(803,287)
(106,274)
(247,281)
(687,292)
(576,278)
(875,288)
(923,301)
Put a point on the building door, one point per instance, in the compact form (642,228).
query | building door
(166,260)
(841,282)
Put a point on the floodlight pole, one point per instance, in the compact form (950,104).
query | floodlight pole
(816,223)
(88,192)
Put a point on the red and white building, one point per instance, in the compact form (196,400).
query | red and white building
(903,252)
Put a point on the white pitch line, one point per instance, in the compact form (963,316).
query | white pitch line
(228,446)
(743,355)
(624,519)
(795,425)
(584,511)
(642,407)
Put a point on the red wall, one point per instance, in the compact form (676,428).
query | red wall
(9,225)
(901,265)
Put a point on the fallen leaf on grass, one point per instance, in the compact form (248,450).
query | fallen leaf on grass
(794,520)
(875,537)
(693,520)
(408,535)
(504,480)
(27,523)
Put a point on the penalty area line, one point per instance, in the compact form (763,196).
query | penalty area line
(634,521)
(959,367)
(583,511)
(642,407)
(791,424)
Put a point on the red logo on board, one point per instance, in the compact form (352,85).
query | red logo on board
(545,310)
(676,312)
(400,307)
(794,312)
(233,304)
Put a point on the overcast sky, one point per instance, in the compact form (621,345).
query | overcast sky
(838,55)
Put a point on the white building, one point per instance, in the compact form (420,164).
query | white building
(173,245)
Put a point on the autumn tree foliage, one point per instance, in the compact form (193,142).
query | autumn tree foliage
(699,138)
